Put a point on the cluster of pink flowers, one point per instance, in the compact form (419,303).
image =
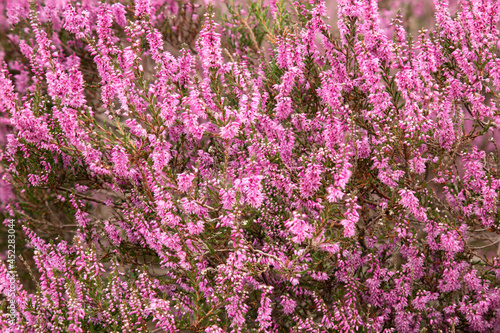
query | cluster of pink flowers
(210,167)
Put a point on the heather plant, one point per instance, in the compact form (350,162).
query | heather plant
(247,167)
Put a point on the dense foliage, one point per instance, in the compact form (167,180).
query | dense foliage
(246,167)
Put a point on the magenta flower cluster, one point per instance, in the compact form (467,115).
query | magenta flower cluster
(177,166)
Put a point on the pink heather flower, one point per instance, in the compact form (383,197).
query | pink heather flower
(192,125)
(283,108)
(66,86)
(142,7)
(168,108)
(450,242)
(119,14)
(295,134)
(214,329)
(209,45)
(81,188)
(363,148)
(161,155)
(423,297)
(319,276)
(17,10)
(230,130)
(252,189)
(410,202)
(195,229)
(8,95)
(156,43)
(351,218)
(288,305)
(474,176)
(226,221)
(288,82)
(310,180)
(191,207)
(136,129)
(74,328)
(22,81)
(120,160)
(248,112)
(77,21)
(264,313)
(26,49)
(342,177)
(164,205)
(450,280)
(473,282)
(228,198)
(236,310)
(445,133)
(385,173)
(417,164)
(113,234)
(490,200)
(185,181)
(289,53)
(126,60)
(295,280)
(330,248)
(299,228)
(334,194)
(162,315)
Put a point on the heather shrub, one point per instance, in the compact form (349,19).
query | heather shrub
(252,166)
